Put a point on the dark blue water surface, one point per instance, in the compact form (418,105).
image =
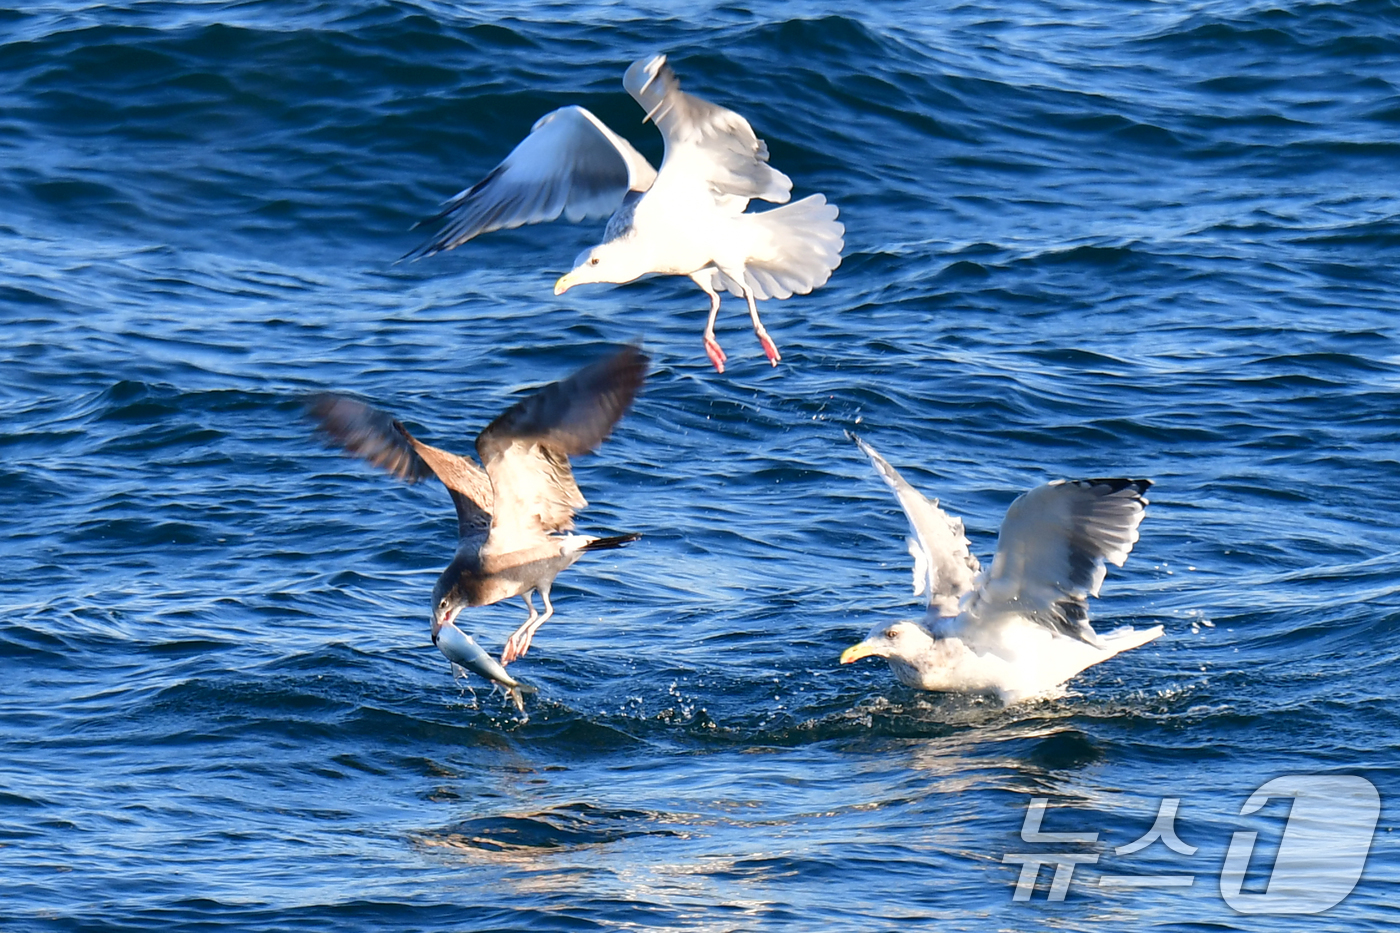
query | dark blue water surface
(1083,238)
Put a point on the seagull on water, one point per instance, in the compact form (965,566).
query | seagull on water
(515,511)
(1020,628)
(688,219)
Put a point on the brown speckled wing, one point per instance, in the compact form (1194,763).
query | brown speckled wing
(375,436)
(526,450)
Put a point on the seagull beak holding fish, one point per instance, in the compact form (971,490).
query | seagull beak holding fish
(515,509)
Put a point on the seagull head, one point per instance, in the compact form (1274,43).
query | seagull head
(616,261)
(899,641)
(448,601)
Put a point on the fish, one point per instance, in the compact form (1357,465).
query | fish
(462,650)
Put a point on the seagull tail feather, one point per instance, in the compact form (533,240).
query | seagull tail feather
(798,245)
(616,541)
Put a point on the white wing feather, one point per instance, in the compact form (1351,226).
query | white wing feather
(709,144)
(1052,550)
(571,164)
(944,568)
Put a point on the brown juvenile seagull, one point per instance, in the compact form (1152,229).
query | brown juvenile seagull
(514,516)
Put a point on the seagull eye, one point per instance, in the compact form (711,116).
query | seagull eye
(593,261)
(891,633)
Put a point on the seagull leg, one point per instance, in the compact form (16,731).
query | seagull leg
(548,614)
(712,347)
(520,639)
(769,347)
(530,628)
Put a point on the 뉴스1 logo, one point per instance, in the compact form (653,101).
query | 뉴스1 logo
(1323,850)
(1318,863)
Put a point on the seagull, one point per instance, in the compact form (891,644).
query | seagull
(1020,628)
(515,511)
(686,219)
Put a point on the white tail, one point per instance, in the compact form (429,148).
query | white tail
(795,248)
(1125,638)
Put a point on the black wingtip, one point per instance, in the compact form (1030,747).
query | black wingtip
(1118,484)
(436,243)
(418,252)
(1070,616)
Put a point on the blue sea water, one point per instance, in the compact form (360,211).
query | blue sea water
(1083,239)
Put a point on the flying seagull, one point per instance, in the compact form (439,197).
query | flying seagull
(686,219)
(1020,628)
(515,511)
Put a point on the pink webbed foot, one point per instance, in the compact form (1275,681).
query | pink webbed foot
(770,348)
(716,355)
(516,646)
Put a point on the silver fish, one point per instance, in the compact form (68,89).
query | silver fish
(462,649)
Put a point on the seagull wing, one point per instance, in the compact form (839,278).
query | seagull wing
(1052,548)
(526,450)
(376,436)
(944,568)
(570,164)
(715,146)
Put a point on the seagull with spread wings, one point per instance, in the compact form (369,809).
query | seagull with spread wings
(689,218)
(515,511)
(1020,628)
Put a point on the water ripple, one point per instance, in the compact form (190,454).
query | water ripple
(1151,240)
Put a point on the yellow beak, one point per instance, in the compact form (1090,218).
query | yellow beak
(856,652)
(563,285)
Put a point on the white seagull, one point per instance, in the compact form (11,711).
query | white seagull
(1020,628)
(686,219)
